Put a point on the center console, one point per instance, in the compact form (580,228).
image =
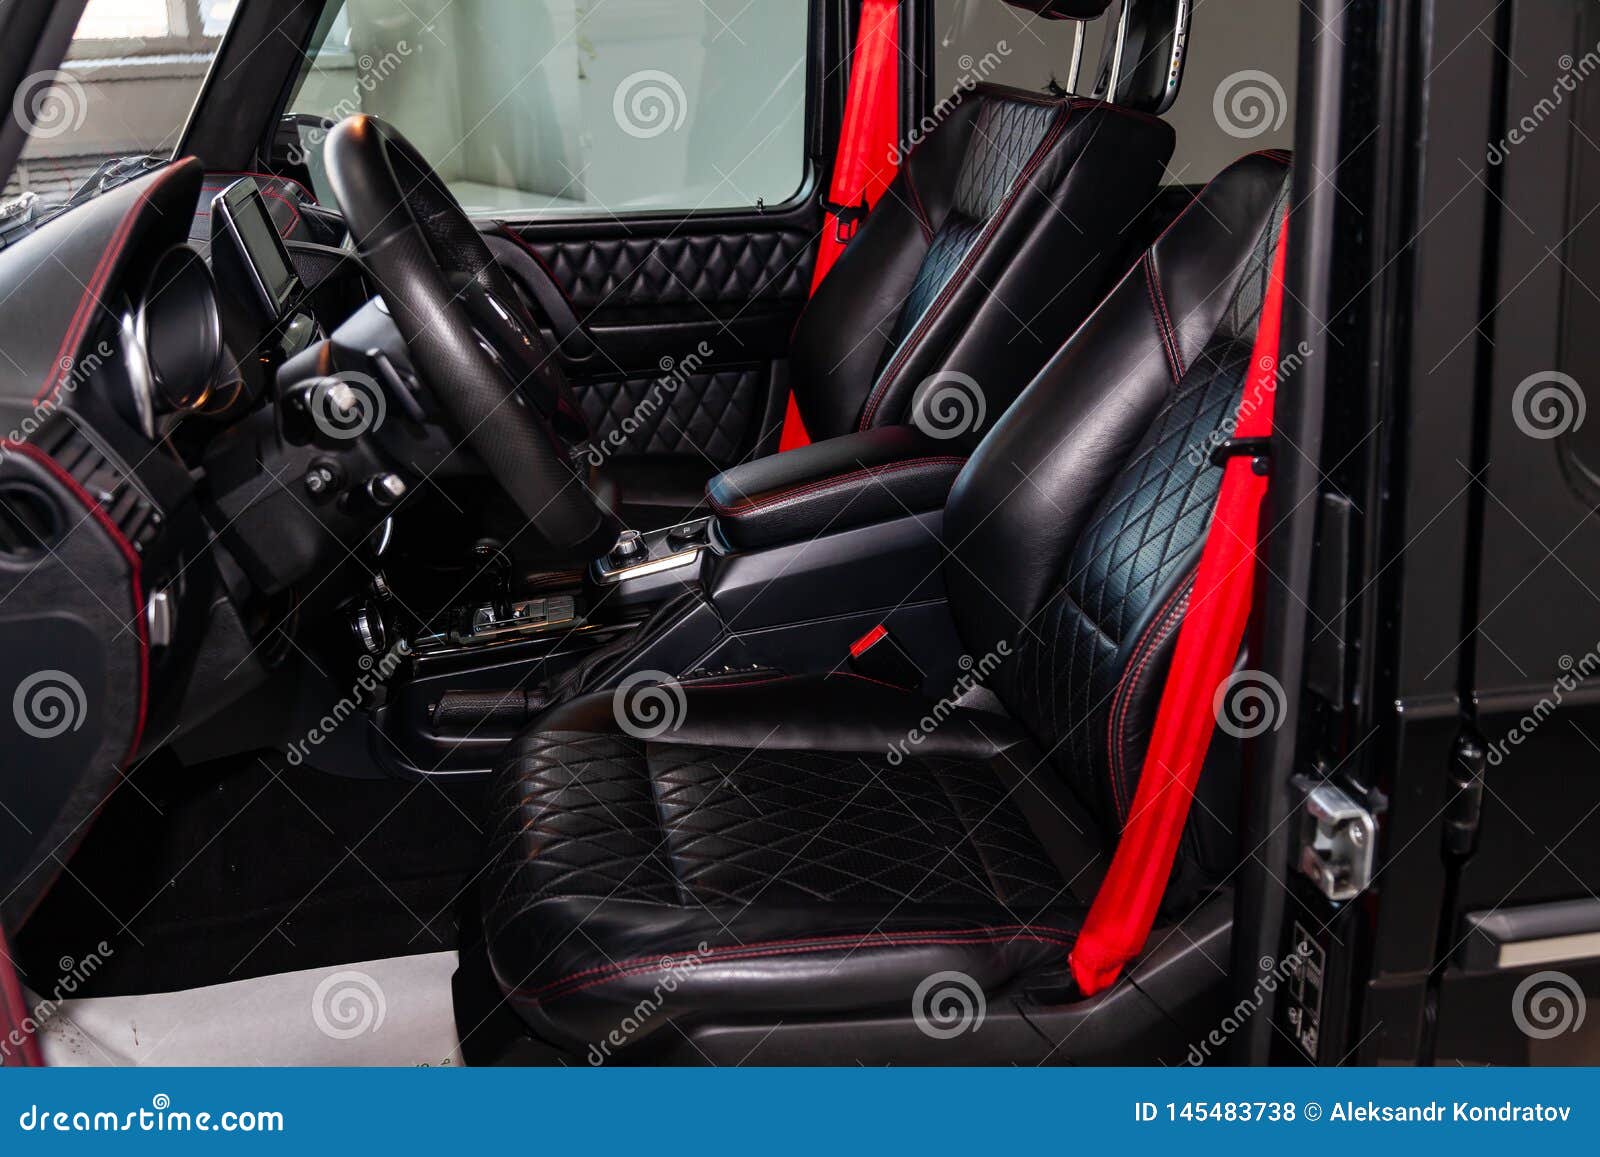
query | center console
(807,554)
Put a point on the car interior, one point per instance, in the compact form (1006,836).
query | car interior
(565,629)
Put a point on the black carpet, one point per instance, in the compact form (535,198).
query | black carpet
(247,866)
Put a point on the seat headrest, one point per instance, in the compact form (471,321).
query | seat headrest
(1063,9)
(1141,64)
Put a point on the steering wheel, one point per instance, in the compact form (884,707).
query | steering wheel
(468,332)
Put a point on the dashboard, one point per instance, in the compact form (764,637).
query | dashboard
(173,468)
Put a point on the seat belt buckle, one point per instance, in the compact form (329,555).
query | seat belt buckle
(878,655)
(1258,450)
(846,218)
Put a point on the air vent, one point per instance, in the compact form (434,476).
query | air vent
(30,521)
(106,480)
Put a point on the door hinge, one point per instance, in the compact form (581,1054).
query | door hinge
(1464,811)
(1338,838)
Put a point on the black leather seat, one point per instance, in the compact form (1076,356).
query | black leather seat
(788,850)
(1003,229)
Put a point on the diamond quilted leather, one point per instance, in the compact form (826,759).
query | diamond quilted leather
(1145,535)
(621,819)
(708,415)
(711,269)
(1005,135)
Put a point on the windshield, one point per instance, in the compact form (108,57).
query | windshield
(116,106)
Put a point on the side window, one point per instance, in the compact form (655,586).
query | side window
(560,106)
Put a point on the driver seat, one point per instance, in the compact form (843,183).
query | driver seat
(1004,227)
(809,850)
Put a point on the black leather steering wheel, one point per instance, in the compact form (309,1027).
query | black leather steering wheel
(470,335)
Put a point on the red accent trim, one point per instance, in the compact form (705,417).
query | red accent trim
(1124,909)
(91,293)
(864,162)
(310,196)
(969,259)
(15,1014)
(955,937)
(98,513)
(779,497)
(868,641)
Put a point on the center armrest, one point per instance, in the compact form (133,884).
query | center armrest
(875,475)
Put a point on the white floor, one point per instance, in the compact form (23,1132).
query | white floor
(377,1012)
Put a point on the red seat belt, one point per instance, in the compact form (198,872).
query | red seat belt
(864,163)
(1124,909)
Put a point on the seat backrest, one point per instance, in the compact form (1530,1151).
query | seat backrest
(1076,526)
(1010,217)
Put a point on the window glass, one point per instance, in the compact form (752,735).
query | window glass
(555,105)
(124,92)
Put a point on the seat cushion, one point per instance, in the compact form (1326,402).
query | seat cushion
(708,872)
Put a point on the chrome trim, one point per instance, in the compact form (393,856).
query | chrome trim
(137,363)
(609,576)
(213,330)
(1076,67)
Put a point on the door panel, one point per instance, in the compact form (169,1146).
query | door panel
(690,328)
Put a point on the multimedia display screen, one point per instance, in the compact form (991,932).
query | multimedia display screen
(258,237)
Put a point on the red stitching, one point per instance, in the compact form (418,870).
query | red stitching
(131,556)
(968,260)
(1165,314)
(91,293)
(755,950)
(1121,705)
(309,195)
(922,213)
(271,194)
(747,505)
(1161,331)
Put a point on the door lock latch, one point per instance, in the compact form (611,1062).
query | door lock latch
(1338,838)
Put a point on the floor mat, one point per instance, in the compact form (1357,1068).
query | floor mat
(377,1012)
(206,874)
